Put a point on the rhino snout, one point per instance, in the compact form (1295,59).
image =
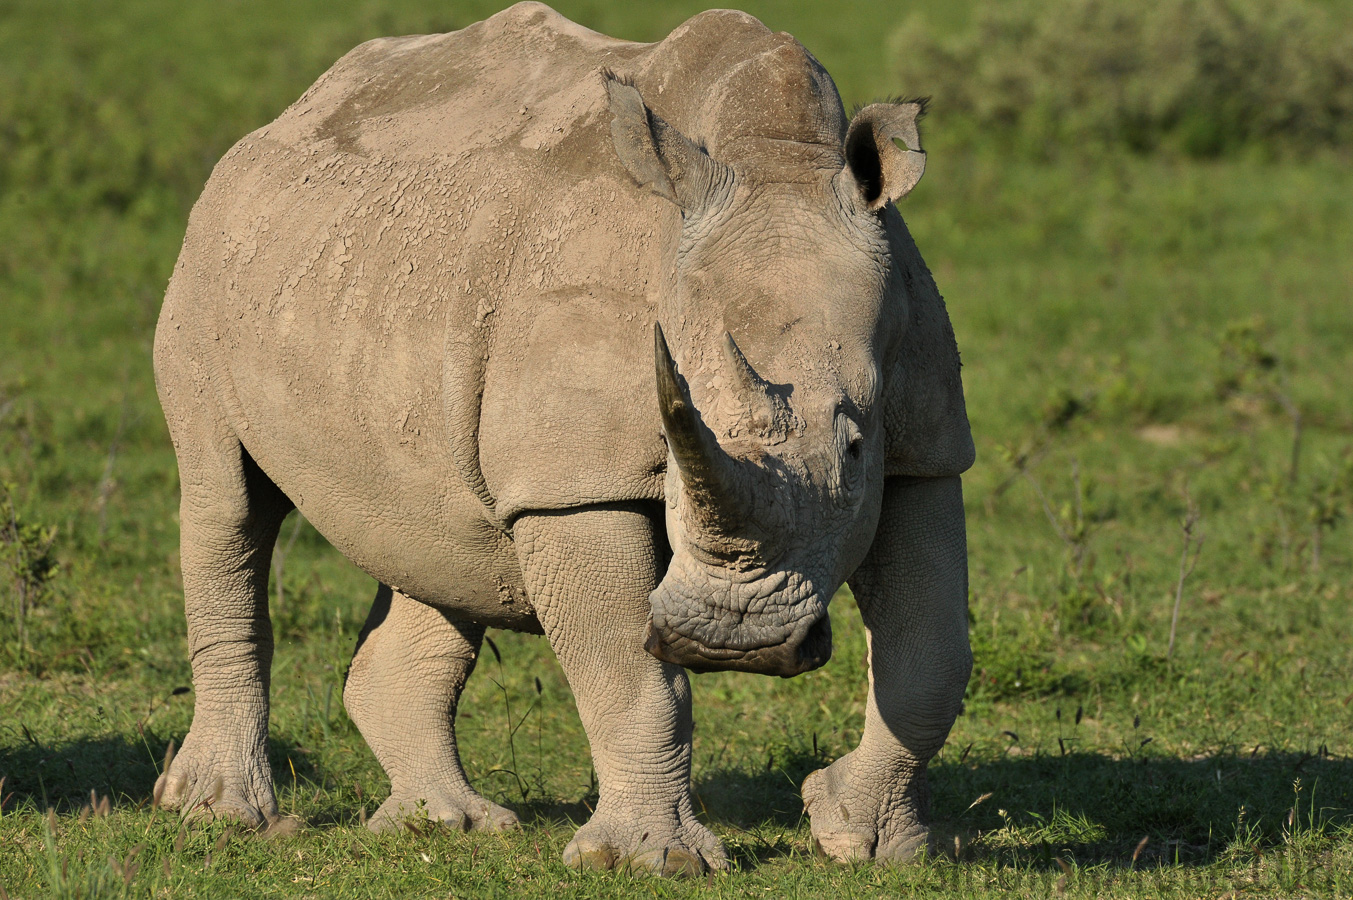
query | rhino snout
(807,646)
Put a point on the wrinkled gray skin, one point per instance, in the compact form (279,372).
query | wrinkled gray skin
(422,307)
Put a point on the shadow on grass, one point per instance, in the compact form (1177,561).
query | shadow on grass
(1032,810)
(61,775)
(1099,808)
(1096,809)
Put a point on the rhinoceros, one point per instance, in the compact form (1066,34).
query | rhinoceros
(626,344)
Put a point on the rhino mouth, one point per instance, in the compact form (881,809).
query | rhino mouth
(806,648)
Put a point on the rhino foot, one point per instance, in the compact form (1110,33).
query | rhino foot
(683,847)
(210,784)
(867,815)
(468,813)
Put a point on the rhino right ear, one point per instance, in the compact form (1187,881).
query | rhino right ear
(661,158)
(878,170)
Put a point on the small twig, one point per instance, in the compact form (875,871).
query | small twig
(107,484)
(1022,463)
(1294,412)
(1078,544)
(279,559)
(1047,509)
(1186,565)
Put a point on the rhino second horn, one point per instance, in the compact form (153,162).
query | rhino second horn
(753,390)
(706,471)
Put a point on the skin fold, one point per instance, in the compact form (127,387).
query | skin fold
(625,344)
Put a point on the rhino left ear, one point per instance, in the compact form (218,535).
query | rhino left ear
(661,158)
(877,170)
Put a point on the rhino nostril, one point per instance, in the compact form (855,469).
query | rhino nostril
(816,647)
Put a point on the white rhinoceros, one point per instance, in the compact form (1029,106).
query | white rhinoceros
(421,307)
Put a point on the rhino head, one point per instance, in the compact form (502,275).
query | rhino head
(783,309)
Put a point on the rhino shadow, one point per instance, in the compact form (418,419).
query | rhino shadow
(60,774)
(1088,807)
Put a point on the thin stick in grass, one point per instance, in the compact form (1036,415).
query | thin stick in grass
(1192,542)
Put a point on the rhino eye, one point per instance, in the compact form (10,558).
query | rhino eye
(856,447)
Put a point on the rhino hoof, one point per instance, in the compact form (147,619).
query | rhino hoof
(593,848)
(851,819)
(475,814)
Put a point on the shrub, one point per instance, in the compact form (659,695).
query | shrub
(1201,77)
(26,561)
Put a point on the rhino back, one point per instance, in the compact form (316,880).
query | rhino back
(431,280)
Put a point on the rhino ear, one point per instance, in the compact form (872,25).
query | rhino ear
(661,158)
(877,170)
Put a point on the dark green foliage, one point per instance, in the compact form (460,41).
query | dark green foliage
(27,564)
(1201,77)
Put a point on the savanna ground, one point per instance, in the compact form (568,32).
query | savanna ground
(1156,335)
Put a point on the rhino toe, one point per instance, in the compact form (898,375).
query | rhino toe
(468,814)
(685,851)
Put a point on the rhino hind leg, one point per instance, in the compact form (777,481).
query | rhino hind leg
(874,802)
(588,573)
(229,518)
(407,674)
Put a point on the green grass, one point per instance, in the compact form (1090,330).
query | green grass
(1134,331)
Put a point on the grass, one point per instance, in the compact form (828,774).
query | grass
(1136,330)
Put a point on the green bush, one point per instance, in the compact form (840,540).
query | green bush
(1201,77)
(26,561)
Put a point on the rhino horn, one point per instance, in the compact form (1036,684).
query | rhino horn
(752,388)
(707,473)
(767,410)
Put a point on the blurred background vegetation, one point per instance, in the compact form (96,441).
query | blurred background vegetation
(1142,218)
(1203,78)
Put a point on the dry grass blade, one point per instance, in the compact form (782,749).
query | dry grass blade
(4,894)
(982,799)
(179,841)
(224,839)
(1060,888)
(1141,845)
(168,756)
(105,808)
(51,821)
(284,827)
(168,870)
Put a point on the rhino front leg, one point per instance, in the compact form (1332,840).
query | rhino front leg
(229,518)
(912,590)
(589,573)
(411,665)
